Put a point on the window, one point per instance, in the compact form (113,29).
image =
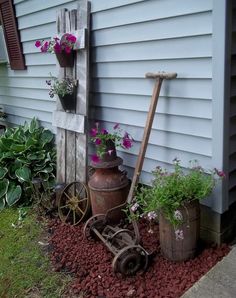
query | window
(11,34)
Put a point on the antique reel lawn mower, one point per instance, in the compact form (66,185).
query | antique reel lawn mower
(124,243)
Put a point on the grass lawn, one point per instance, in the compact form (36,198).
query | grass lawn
(25,269)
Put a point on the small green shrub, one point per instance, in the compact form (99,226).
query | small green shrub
(26,152)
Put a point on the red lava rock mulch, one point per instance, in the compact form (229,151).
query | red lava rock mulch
(90,264)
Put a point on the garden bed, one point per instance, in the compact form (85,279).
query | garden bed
(90,265)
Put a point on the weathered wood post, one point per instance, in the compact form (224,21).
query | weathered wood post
(72,127)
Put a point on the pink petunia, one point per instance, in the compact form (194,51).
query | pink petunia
(104,131)
(116,126)
(67,49)
(127,143)
(220,173)
(93,132)
(98,141)
(110,152)
(45,47)
(71,38)
(95,158)
(38,43)
(57,47)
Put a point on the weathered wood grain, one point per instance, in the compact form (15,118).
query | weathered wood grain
(72,127)
(69,121)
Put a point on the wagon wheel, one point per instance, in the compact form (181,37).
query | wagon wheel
(130,259)
(98,222)
(74,203)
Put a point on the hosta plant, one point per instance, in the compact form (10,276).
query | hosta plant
(27,152)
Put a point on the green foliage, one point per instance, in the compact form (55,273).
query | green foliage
(27,152)
(61,87)
(172,190)
(25,269)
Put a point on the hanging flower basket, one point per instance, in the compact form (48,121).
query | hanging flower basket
(68,101)
(62,47)
(65,59)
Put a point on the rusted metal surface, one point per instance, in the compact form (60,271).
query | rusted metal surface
(74,203)
(109,188)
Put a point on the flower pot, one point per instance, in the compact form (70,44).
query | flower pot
(186,248)
(68,101)
(65,59)
(109,159)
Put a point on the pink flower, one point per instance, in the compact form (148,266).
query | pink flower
(67,49)
(152,215)
(116,126)
(71,38)
(93,132)
(38,43)
(57,47)
(98,141)
(134,207)
(95,158)
(178,215)
(110,151)
(127,143)
(45,47)
(104,131)
(220,173)
(179,235)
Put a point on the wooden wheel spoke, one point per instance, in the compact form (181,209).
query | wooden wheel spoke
(80,210)
(78,192)
(74,220)
(65,206)
(67,214)
(84,199)
(67,195)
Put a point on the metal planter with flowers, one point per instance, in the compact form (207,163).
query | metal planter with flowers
(66,89)
(62,47)
(109,186)
(174,198)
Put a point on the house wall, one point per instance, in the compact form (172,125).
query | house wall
(128,39)
(232,140)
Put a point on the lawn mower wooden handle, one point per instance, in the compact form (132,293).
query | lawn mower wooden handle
(161,75)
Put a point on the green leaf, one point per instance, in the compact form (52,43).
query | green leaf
(33,125)
(3,187)
(23,174)
(12,169)
(47,169)
(13,194)
(46,137)
(3,172)
(17,147)
(2,203)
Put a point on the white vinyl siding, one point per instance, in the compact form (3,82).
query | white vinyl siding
(128,39)
(150,36)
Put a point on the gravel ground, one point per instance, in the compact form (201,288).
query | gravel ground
(90,265)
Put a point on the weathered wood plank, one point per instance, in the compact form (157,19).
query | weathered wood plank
(70,156)
(71,131)
(69,121)
(81,157)
(61,155)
